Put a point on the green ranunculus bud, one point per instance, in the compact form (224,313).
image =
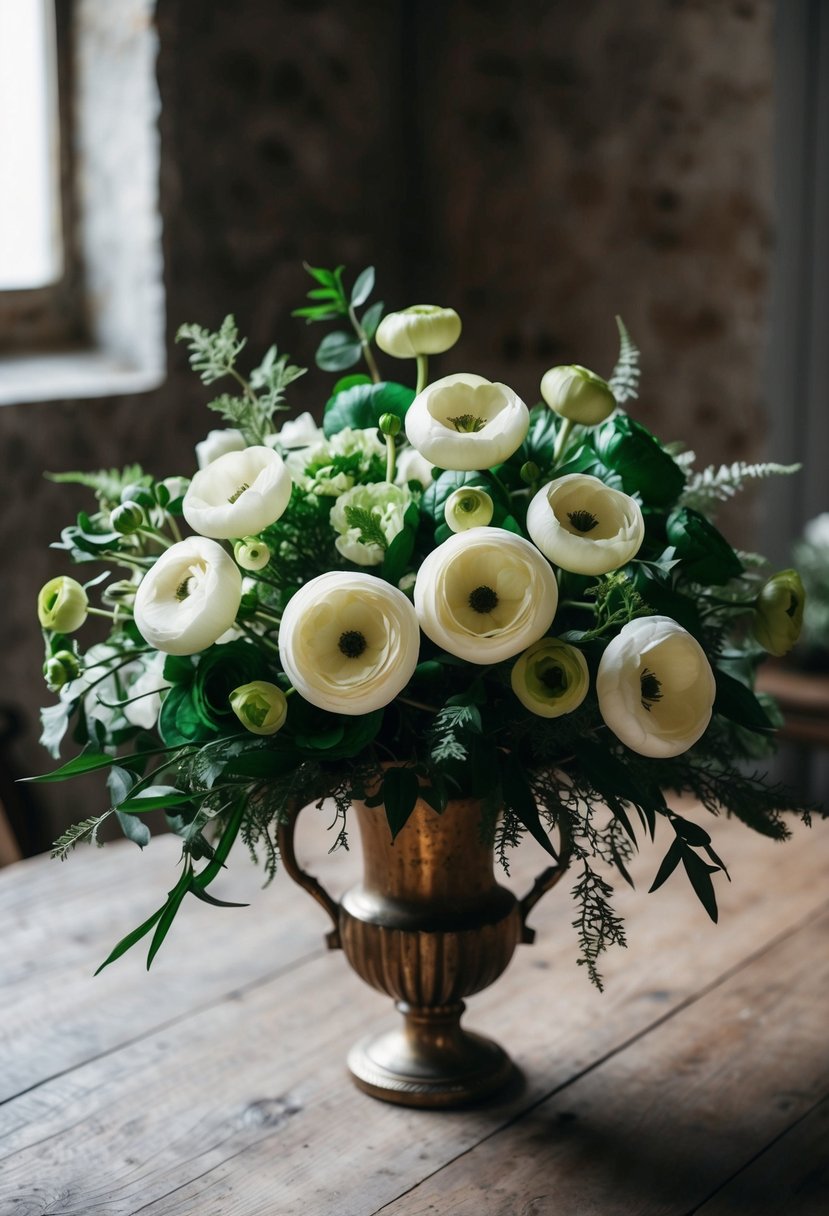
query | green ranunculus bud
(550,678)
(135,492)
(127,518)
(778,613)
(390,424)
(629,449)
(251,553)
(529,472)
(122,592)
(704,554)
(423,329)
(576,393)
(261,707)
(62,605)
(466,508)
(60,668)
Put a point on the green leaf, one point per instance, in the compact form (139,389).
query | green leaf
(153,798)
(134,829)
(519,796)
(168,914)
(363,288)
(397,556)
(338,351)
(739,704)
(131,938)
(217,903)
(362,405)
(669,863)
(371,319)
(54,721)
(401,790)
(88,761)
(700,875)
(346,382)
(369,524)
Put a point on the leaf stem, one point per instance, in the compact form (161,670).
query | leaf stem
(365,344)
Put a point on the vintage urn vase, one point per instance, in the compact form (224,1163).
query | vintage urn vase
(428,925)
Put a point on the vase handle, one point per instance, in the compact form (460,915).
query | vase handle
(545,882)
(285,840)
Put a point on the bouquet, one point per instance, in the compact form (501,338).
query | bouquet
(438,593)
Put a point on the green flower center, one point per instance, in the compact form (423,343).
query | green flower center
(238,494)
(352,643)
(582,521)
(183,589)
(651,689)
(483,599)
(467,424)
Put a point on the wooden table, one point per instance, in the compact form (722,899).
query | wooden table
(215,1085)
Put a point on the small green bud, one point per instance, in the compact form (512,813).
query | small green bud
(576,393)
(135,492)
(778,615)
(261,707)
(530,472)
(62,605)
(60,668)
(467,508)
(550,678)
(127,518)
(390,424)
(251,553)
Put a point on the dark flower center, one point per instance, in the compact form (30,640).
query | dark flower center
(792,608)
(483,599)
(651,689)
(183,589)
(352,643)
(553,678)
(582,521)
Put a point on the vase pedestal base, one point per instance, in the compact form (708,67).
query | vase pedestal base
(430,1061)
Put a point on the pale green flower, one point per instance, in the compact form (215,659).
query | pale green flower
(468,507)
(422,329)
(386,503)
(251,553)
(778,615)
(62,605)
(550,678)
(261,707)
(576,393)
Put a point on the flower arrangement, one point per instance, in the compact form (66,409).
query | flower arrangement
(437,593)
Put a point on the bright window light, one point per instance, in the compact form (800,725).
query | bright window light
(30,246)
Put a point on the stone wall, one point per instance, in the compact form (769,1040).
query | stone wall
(540,166)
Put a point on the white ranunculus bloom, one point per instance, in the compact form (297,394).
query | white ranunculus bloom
(349,642)
(655,687)
(219,443)
(386,502)
(299,432)
(145,692)
(422,329)
(485,595)
(411,466)
(238,494)
(465,422)
(584,526)
(189,597)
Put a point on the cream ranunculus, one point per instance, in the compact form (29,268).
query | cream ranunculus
(219,443)
(423,329)
(189,597)
(299,432)
(576,393)
(655,687)
(485,595)
(584,526)
(468,507)
(465,422)
(386,503)
(238,494)
(349,642)
(62,604)
(260,706)
(550,678)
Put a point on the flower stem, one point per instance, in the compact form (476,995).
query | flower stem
(100,612)
(422,373)
(365,344)
(391,451)
(154,534)
(561,439)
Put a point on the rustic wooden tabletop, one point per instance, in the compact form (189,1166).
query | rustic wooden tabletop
(215,1085)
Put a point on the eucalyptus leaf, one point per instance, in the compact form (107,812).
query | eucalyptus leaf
(134,829)
(363,287)
(401,790)
(338,351)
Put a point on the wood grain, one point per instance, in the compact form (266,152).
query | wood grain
(242,1107)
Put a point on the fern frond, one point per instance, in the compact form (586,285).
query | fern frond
(87,829)
(369,525)
(107,483)
(624,383)
(706,489)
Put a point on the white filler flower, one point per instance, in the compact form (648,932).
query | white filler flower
(485,595)
(584,526)
(385,503)
(465,422)
(219,443)
(349,642)
(238,494)
(189,597)
(655,687)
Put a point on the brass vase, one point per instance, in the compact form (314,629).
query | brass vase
(428,925)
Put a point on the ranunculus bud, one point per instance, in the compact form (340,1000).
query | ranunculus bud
(62,605)
(550,678)
(251,553)
(261,707)
(423,329)
(135,492)
(467,508)
(390,424)
(778,615)
(576,393)
(529,472)
(121,592)
(127,518)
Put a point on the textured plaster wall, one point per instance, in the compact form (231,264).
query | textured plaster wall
(540,166)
